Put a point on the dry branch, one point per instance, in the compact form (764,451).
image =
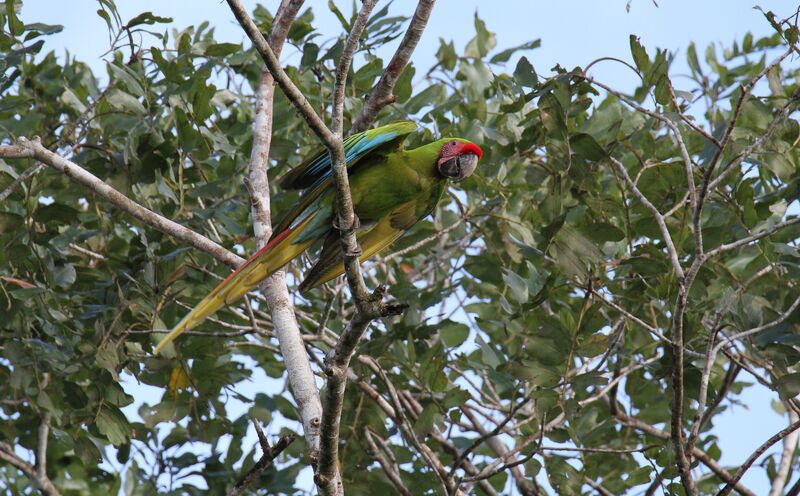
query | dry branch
(269,454)
(381,95)
(701,455)
(391,472)
(33,149)
(24,176)
(755,455)
(337,363)
(43,484)
(785,465)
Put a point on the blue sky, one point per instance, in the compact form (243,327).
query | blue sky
(573,33)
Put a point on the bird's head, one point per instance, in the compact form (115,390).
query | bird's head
(458,159)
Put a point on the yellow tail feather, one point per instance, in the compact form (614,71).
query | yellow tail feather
(260,266)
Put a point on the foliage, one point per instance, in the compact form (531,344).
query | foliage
(518,303)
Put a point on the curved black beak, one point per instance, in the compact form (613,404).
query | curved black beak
(460,167)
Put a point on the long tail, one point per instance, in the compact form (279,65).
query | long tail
(277,253)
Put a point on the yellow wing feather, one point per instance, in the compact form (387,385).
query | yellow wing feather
(373,241)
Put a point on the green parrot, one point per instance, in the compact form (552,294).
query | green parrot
(392,189)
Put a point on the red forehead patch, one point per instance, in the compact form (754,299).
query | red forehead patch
(458,148)
(472,148)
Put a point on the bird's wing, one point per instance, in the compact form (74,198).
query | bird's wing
(318,167)
(379,236)
(316,174)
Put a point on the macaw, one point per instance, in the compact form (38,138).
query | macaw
(392,189)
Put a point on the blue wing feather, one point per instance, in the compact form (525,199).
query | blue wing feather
(318,168)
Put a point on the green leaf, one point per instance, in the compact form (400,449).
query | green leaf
(128,77)
(525,74)
(424,424)
(222,49)
(45,29)
(104,15)
(453,333)
(446,55)
(147,18)
(483,42)
(125,101)
(640,57)
(506,54)
(585,146)
(338,13)
(564,478)
(602,232)
(518,285)
(113,425)
(789,385)
(402,90)
(553,115)
(432,95)
(9,221)
(15,26)
(64,276)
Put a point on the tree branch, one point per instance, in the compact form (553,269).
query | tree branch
(525,486)
(33,149)
(677,376)
(338,360)
(24,176)
(701,455)
(42,439)
(381,95)
(44,485)
(269,454)
(755,330)
(597,487)
(749,239)
(494,432)
(673,253)
(789,446)
(368,307)
(288,87)
(388,469)
(298,368)
(397,413)
(677,329)
(710,357)
(745,92)
(756,454)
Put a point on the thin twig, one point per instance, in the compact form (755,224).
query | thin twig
(749,239)
(45,486)
(381,95)
(288,87)
(756,454)
(673,253)
(697,453)
(789,447)
(270,453)
(26,174)
(388,469)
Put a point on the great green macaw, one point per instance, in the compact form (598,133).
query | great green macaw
(392,189)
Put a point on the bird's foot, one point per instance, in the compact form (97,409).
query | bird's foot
(354,225)
(351,248)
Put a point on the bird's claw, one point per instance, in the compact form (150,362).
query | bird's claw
(355,225)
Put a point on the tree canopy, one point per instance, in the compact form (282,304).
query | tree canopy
(580,312)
